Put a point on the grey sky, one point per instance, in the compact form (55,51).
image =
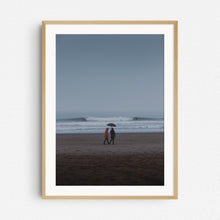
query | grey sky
(104,73)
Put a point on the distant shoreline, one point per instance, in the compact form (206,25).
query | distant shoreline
(124,124)
(135,118)
(129,133)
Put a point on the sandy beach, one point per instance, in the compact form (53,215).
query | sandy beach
(135,159)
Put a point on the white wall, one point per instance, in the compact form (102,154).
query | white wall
(199,108)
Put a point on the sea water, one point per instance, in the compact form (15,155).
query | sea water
(96,123)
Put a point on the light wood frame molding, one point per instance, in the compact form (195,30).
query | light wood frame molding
(175,23)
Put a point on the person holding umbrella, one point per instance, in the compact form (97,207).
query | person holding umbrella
(106,136)
(112,132)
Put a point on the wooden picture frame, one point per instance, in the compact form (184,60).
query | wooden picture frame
(49,30)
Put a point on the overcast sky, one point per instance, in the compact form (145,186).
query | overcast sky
(105,73)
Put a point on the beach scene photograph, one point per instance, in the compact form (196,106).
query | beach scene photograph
(109,109)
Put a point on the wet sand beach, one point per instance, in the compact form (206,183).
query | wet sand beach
(134,159)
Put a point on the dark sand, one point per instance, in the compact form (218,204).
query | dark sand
(135,159)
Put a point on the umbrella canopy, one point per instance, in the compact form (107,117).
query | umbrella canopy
(111,124)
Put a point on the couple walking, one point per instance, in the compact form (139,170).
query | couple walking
(112,135)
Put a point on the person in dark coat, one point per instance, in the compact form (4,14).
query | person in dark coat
(112,133)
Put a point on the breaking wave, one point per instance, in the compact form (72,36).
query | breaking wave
(98,124)
(110,119)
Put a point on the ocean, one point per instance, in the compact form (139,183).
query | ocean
(96,123)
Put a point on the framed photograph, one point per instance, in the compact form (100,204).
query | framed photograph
(109,109)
